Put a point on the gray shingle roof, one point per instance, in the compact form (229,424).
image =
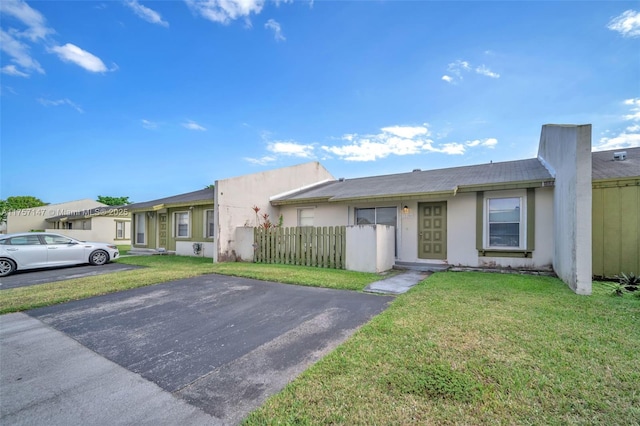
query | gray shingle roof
(603,165)
(189,197)
(424,182)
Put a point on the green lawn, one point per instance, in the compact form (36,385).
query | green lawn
(459,348)
(478,348)
(158,269)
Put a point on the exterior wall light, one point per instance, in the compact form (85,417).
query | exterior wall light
(405,209)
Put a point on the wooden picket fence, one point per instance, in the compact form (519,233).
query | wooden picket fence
(323,247)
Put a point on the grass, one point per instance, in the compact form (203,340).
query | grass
(477,348)
(160,269)
(124,249)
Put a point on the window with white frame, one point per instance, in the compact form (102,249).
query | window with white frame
(505,223)
(140,224)
(120,230)
(209,227)
(377,215)
(305,217)
(181,228)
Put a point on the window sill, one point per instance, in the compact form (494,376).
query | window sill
(505,253)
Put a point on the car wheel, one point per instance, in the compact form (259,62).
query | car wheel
(99,257)
(6,267)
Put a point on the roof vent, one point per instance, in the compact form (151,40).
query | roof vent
(417,170)
(620,156)
(340,179)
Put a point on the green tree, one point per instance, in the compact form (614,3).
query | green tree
(113,201)
(18,203)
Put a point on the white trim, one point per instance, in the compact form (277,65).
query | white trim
(205,228)
(522,228)
(143,215)
(175,225)
(283,194)
(313,216)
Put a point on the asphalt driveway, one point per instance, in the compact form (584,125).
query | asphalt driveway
(221,344)
(49,275)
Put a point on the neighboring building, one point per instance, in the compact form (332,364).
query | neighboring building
(236,197)
(181,224)
(109,224)
(616,212)
(35,218)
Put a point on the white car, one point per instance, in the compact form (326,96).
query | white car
(31,250)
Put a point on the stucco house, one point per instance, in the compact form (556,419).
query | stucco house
(86,220)
(110,224)
(180,224)
(526,214)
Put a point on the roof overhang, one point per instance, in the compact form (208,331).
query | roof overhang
(538,183)
(434,195)
(162,206)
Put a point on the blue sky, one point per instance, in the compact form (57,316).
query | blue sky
(148,99)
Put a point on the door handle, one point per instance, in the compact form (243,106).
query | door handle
(12,249)
(52,248)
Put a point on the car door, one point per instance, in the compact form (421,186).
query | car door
(27,250)
(63,250)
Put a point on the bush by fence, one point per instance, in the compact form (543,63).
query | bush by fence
(323,247)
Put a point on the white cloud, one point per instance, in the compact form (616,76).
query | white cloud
(261,161)
(192,125)
(38,32)
(72,53)
(627,24)
(19,53)
(452,148)
(147,124)
(146,13)
(487,143)
(291,149)
(35,22)
(12,70)
(630,135)
(406,131)
(457,69)
(483,70)
(58,102)
(393,140)
(275,27)
(399,140)
(225,11)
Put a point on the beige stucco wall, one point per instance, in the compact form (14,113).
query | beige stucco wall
(25,220)
(235,197)
(185,248)
(370,248)
(461,229)
(103,229)
(566,152)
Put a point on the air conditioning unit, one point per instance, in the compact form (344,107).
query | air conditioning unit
(620,156)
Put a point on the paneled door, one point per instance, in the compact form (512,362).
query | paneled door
(432,230)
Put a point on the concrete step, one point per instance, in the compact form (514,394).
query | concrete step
(149,252)
(421,266)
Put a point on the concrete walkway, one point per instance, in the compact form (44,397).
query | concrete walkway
(48,376)
(397,284)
